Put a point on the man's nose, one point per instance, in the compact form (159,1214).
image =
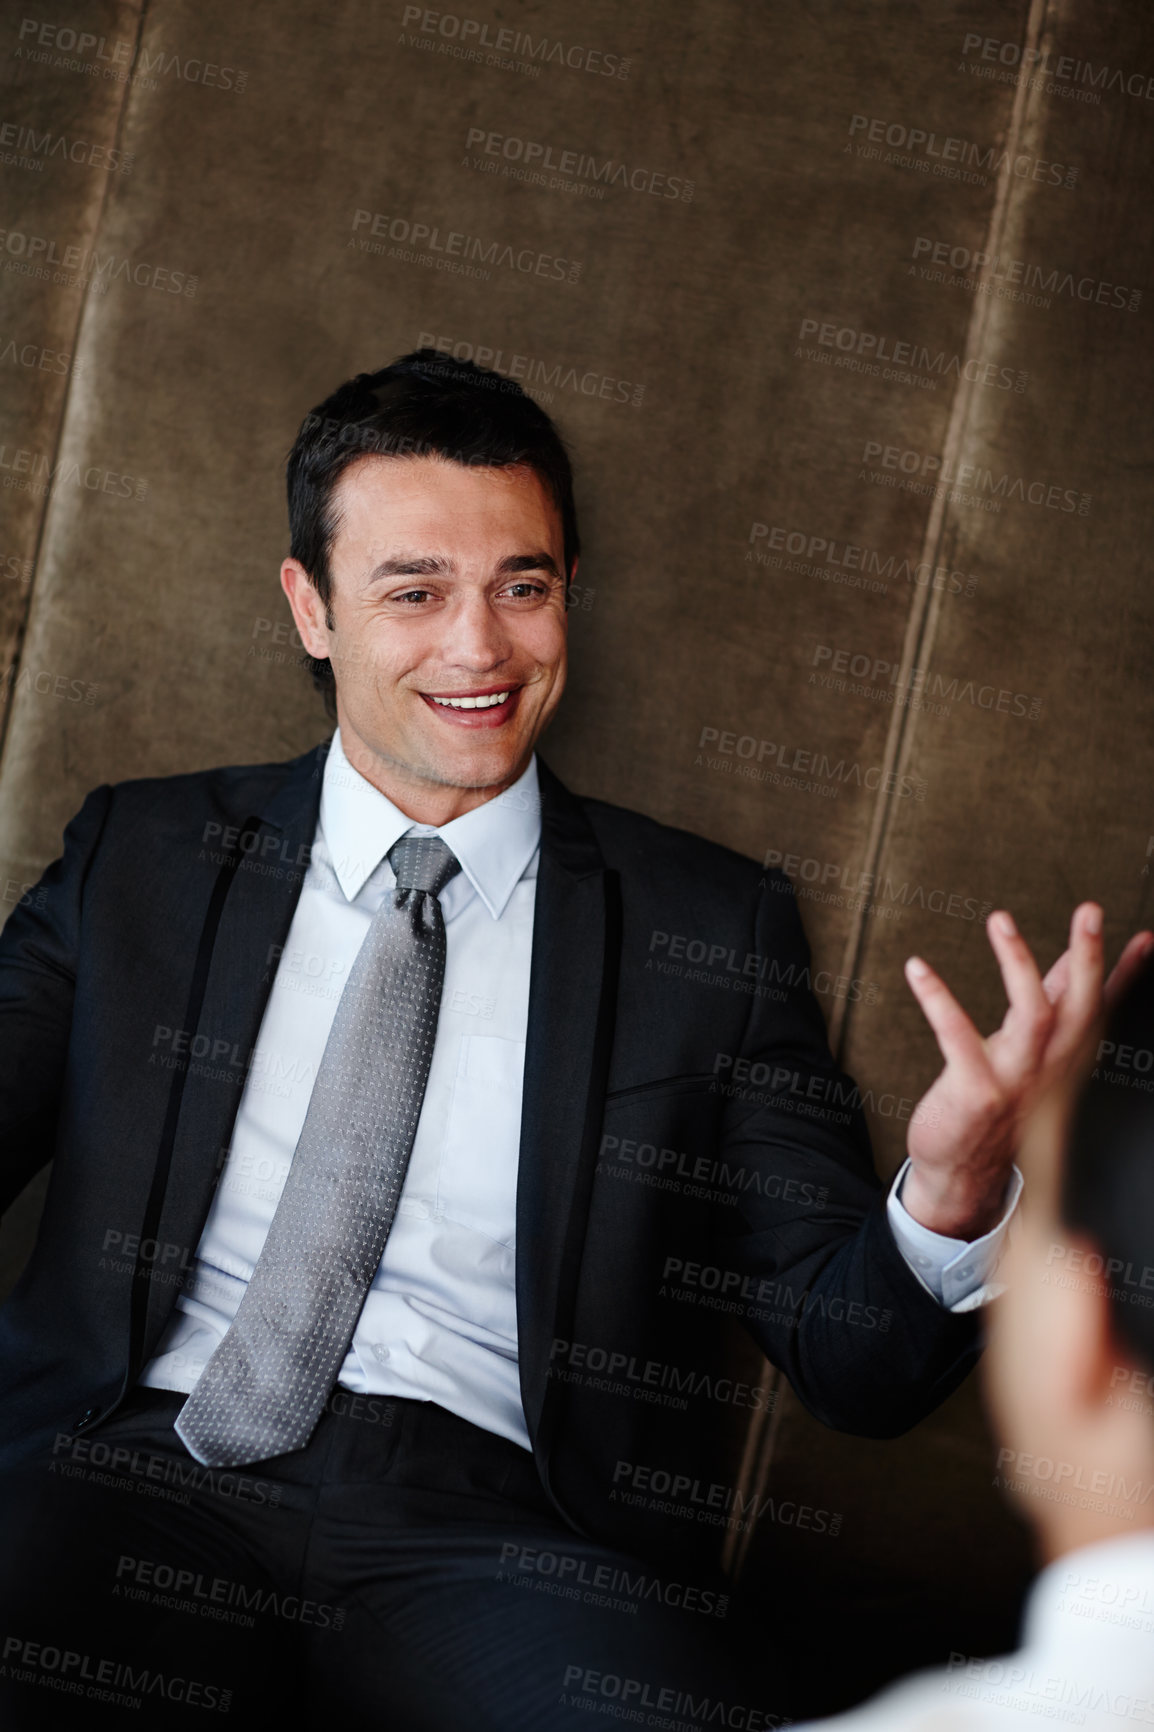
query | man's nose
(476,635)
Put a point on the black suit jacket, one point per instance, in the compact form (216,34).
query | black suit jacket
(693,1166)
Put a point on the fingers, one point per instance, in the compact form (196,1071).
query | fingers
(958,1040)
(1028,1021)
(1057,978)
(1083,995)
(1047,1019)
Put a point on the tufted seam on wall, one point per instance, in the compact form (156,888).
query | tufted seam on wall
(926,603)
(8,700)
(921,630)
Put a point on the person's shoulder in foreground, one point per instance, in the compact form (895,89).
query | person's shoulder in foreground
(1070,1382)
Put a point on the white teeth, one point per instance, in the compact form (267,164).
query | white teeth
(484,703)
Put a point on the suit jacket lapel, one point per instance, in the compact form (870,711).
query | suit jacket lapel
(572,993)
(254,919)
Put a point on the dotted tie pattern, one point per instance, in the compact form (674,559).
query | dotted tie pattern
(262,1391)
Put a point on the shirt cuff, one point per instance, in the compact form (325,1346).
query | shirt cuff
(956,1271)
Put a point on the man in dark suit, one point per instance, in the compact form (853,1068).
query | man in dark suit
(380,1347)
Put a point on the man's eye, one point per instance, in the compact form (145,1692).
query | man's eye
(527,588)
(414,595)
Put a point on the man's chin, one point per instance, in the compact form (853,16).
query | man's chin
(477,768)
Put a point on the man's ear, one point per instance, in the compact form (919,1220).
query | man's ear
(308,609)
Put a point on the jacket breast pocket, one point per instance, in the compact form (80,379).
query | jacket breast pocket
(477,1183)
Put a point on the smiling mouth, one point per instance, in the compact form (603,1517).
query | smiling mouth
(486,709)
(483,701)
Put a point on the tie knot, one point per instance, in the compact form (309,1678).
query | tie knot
(423,863)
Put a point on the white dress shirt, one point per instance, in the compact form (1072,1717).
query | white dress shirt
(439,1322)
(1086,1660)
(958,1272)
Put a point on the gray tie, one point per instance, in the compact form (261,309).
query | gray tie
(263,1389)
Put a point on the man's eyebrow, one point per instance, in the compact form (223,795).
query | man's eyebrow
(539,561)
(411,565)
(436,565)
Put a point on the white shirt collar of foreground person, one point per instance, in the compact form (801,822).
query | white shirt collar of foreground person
(1086,1660)
(494,842)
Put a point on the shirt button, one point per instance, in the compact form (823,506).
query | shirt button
(381,1350)
(964,1274)
(923,1262)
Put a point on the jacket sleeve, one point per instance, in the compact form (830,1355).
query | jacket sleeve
(812,1262)
(39,950)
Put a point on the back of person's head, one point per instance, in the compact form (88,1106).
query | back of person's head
(1107,1191)
(425,404)
(1069,1373)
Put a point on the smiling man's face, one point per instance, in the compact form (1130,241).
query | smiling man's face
(449,626)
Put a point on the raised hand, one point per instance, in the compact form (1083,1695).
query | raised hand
(963,1136)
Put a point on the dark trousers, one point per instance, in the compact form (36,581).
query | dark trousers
(405,1564)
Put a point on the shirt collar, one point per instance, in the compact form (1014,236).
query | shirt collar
(494,842)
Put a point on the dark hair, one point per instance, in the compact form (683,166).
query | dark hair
(1108,1181)
(425,404)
